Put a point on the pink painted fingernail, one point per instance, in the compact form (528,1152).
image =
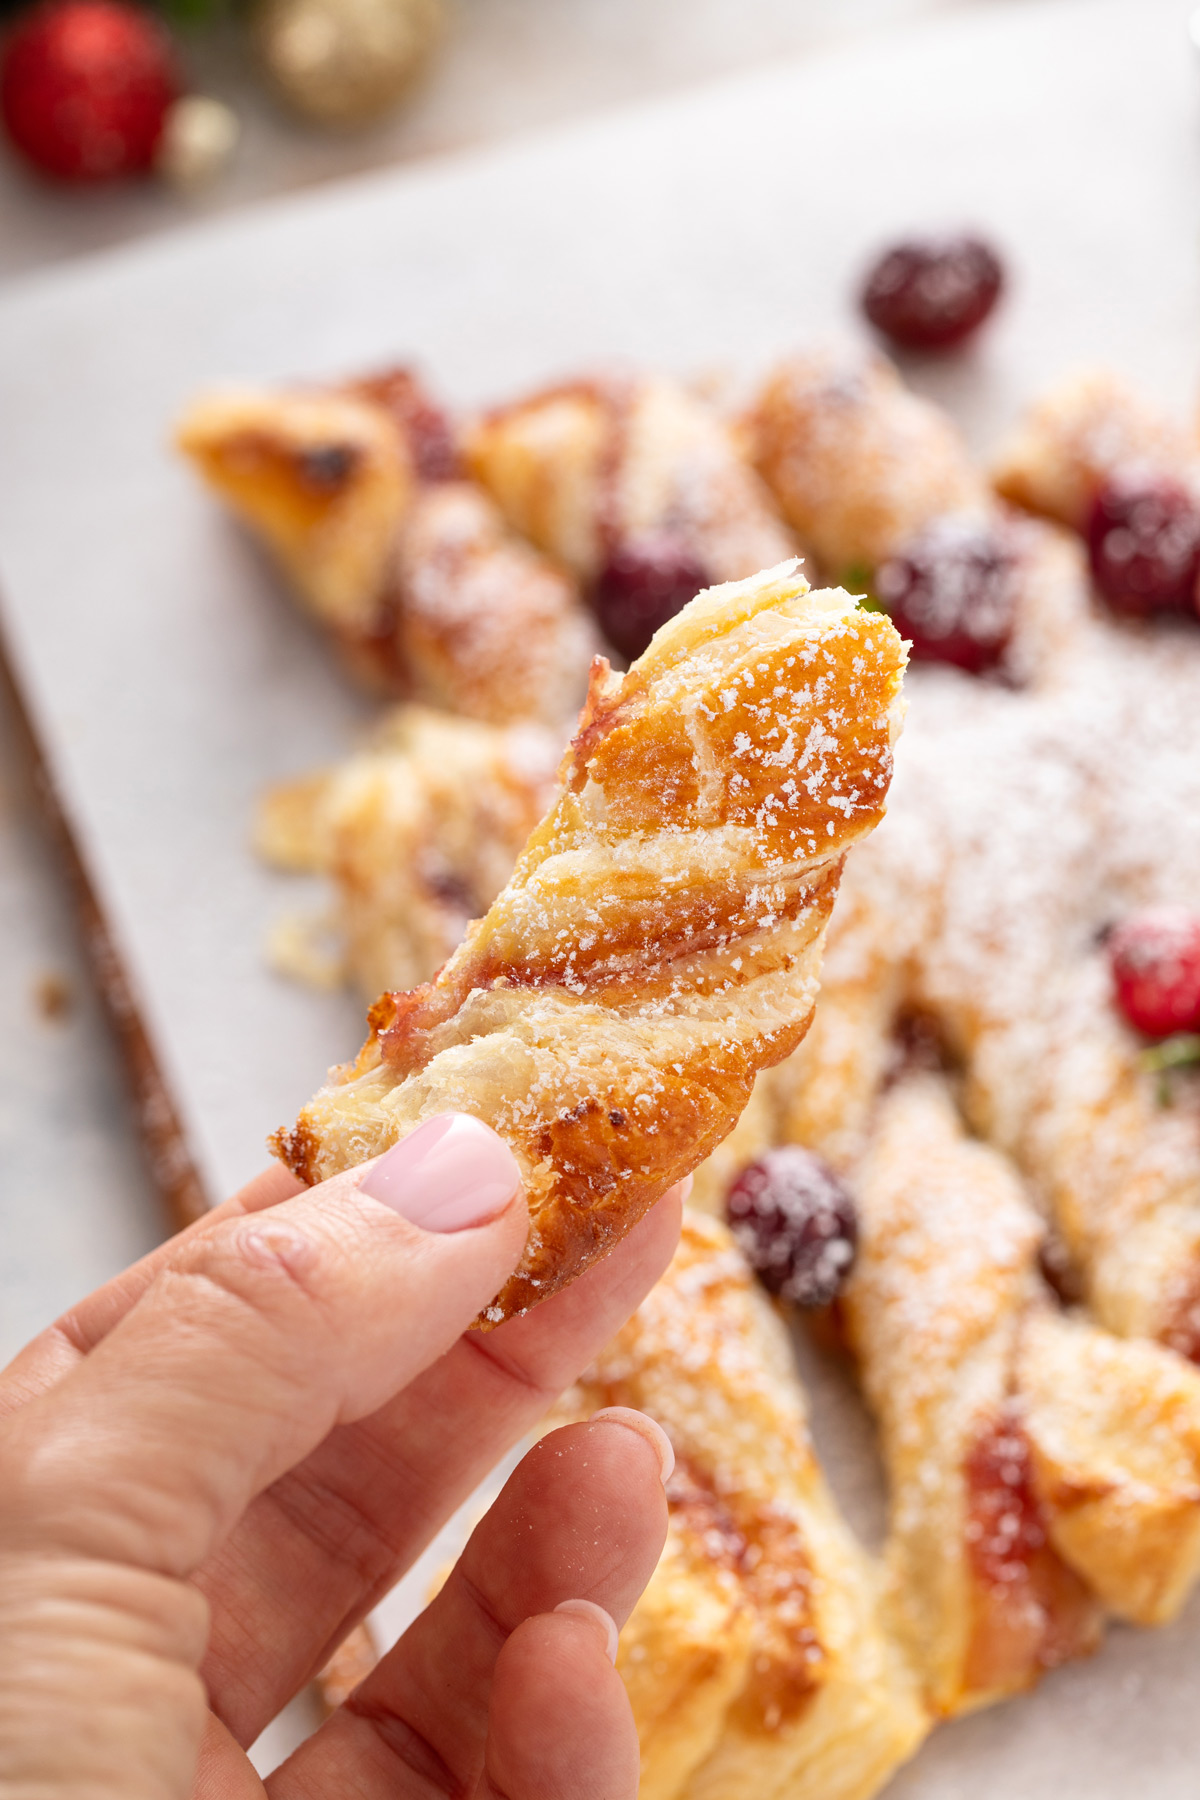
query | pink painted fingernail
(587,1609)
(451,1172)
(645,1427)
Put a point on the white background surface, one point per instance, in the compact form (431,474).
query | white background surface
(171,679)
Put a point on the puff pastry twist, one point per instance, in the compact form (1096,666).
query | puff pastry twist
(659,941)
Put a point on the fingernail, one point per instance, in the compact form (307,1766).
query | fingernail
(587,1609)
(451,1172)
(685,1188)
(645,1427)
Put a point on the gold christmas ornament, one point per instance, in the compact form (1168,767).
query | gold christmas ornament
(199,136)
(346,62)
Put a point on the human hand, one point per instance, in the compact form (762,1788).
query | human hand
(214,1466)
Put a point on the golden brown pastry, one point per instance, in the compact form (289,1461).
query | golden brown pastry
(932,1310)
(878,484)
(596,471)
(754,1132)
(755,1660)
(857,462)
(424,589)
(1091,427)
(660,939)
(1040,1468)
(1114,1430)
(417,832)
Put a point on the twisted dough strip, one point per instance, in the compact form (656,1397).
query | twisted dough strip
(755,1660)
(412,571)
(1084,431)
(418,831)
(592,468)
(1040,1468)
(945,1272)
(863,469)
(660,939)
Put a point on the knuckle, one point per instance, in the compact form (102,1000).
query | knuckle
(270,1269)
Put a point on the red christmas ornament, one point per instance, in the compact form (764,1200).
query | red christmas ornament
(85,86)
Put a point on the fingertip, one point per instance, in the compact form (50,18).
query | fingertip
(648,1429)
(602,1624)
(560,1721)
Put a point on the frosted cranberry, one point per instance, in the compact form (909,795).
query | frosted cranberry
(642,585)
(1144,544)
(932,293)
(953,592)
(795,1223)
(1155,961)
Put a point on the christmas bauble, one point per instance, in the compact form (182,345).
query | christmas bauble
(199,137)
(346,62)
(85,86)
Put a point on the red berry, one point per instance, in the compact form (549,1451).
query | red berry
(1144,544)
(85,86)
(1155,961)
(930,294)
(953,592)
(795,1223)
(644,584)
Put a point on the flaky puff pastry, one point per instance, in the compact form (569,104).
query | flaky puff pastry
(857,462)
(423,587)
(755,1660)
(932,1310)
(861,468)
(1088,429)
(592,468)
(1040,1468)
(417,832)
(660,939)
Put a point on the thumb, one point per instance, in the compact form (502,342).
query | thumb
(249,1348)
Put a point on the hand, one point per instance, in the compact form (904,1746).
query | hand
(213,1467)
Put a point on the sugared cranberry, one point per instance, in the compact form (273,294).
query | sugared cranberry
(642,585)
(1144,544)
(1155,961)
(953,592)
(930,294)
(795,1223)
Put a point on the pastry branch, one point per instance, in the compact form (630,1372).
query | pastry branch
(659,941)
